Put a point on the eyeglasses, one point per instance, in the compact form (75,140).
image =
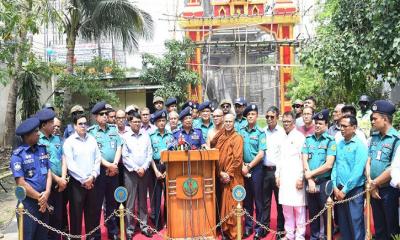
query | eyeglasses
(102,113)
(344,126)
(226,106)
(297,105)
(269,116)
(287,121)
(82,123)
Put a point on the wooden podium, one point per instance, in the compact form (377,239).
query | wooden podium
(190,185)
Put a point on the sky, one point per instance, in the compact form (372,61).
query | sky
(161,11)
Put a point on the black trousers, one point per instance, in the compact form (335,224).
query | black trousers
(269,187)
(106,186)
(56,217)
(81,201)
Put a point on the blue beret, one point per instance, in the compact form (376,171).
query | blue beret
(323,115)
(187,104)
(204,105)
(98,107)
(241,101)
(171,101)
(251,107)
(159,114)
(383,106)
(185,112)
(27,126)
(45,114)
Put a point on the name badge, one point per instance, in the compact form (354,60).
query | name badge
(112,144)
(378,155)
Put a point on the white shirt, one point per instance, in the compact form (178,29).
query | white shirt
(289,169)
(360,134)
(83,157)
(274,141)
(136,151)
(395,169)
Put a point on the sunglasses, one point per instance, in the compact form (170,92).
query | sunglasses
(269,116)
(297,105)
(226,106)
(102,113)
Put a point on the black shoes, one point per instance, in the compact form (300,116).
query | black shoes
(147,233)
(247,233)
(260,234)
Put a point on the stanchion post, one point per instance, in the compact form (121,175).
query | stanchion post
(368,198)
(239,211)
(21,221)
(329,204)
(121,221)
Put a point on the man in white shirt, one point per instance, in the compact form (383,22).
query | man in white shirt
(395,170)
(290,179)
(137,155)
(275,134)
(83,159)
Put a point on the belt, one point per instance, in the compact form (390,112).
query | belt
(321,180)
(269,168)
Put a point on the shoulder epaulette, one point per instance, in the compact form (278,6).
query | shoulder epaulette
(91,128)
(18,150)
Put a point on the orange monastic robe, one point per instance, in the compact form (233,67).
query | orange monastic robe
(230,146)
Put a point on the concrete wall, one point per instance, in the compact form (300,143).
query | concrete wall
(45,94)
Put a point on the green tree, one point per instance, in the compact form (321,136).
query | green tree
(91,80)
(92,19)
(171,70)
(356,49)
(18,19)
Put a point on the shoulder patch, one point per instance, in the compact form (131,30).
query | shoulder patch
(18,150)
(333,147)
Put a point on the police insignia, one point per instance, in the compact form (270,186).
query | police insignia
(320,116)
(333,147)
(374,107)
(17,166)
(253,106)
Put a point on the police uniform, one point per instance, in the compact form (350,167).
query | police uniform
(240,122)
(194,138)
(53,145)
(170,101)
(253,142)
(381,154)
(159,143)
(364,118)
(198,123)
(108,141)
(31,163)
(317,149)
(348,176)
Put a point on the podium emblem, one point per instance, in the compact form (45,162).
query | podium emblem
(239,193)
(120,194)
(20,193)
(190,187)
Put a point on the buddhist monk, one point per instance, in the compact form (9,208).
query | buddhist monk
(218,119)
(230,145)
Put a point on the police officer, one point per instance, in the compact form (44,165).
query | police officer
(30,167)
(191,136)
(254,146)
(383,145)
(75,110)
(364,115)
(48,106)
(58,168)
(348,180)
(171,105)
(240,120)
(161,140)
(204,122)
(158,103)
(319,153)
(110,145)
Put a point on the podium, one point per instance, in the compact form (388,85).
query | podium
(190,185)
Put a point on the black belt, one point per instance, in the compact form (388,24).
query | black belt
(269,168)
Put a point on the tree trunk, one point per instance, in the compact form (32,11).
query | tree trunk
(67,101)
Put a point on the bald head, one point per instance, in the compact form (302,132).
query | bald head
(229,122)
(337,113)
(218,117)
(120,119)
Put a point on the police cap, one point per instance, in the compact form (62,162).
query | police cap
(159,114)
(99,107)
(204,105)
(171,101)
(251,107)
(45,115)
(27,126)
(383,107)
(323,115)
(241,101)
(185,112)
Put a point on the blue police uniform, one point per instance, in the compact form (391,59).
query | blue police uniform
(194,137)
(108,140)
(199,123)
(381,154)
(348,175)
(31,163)
(159,142)
(254,140)
(317,150)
